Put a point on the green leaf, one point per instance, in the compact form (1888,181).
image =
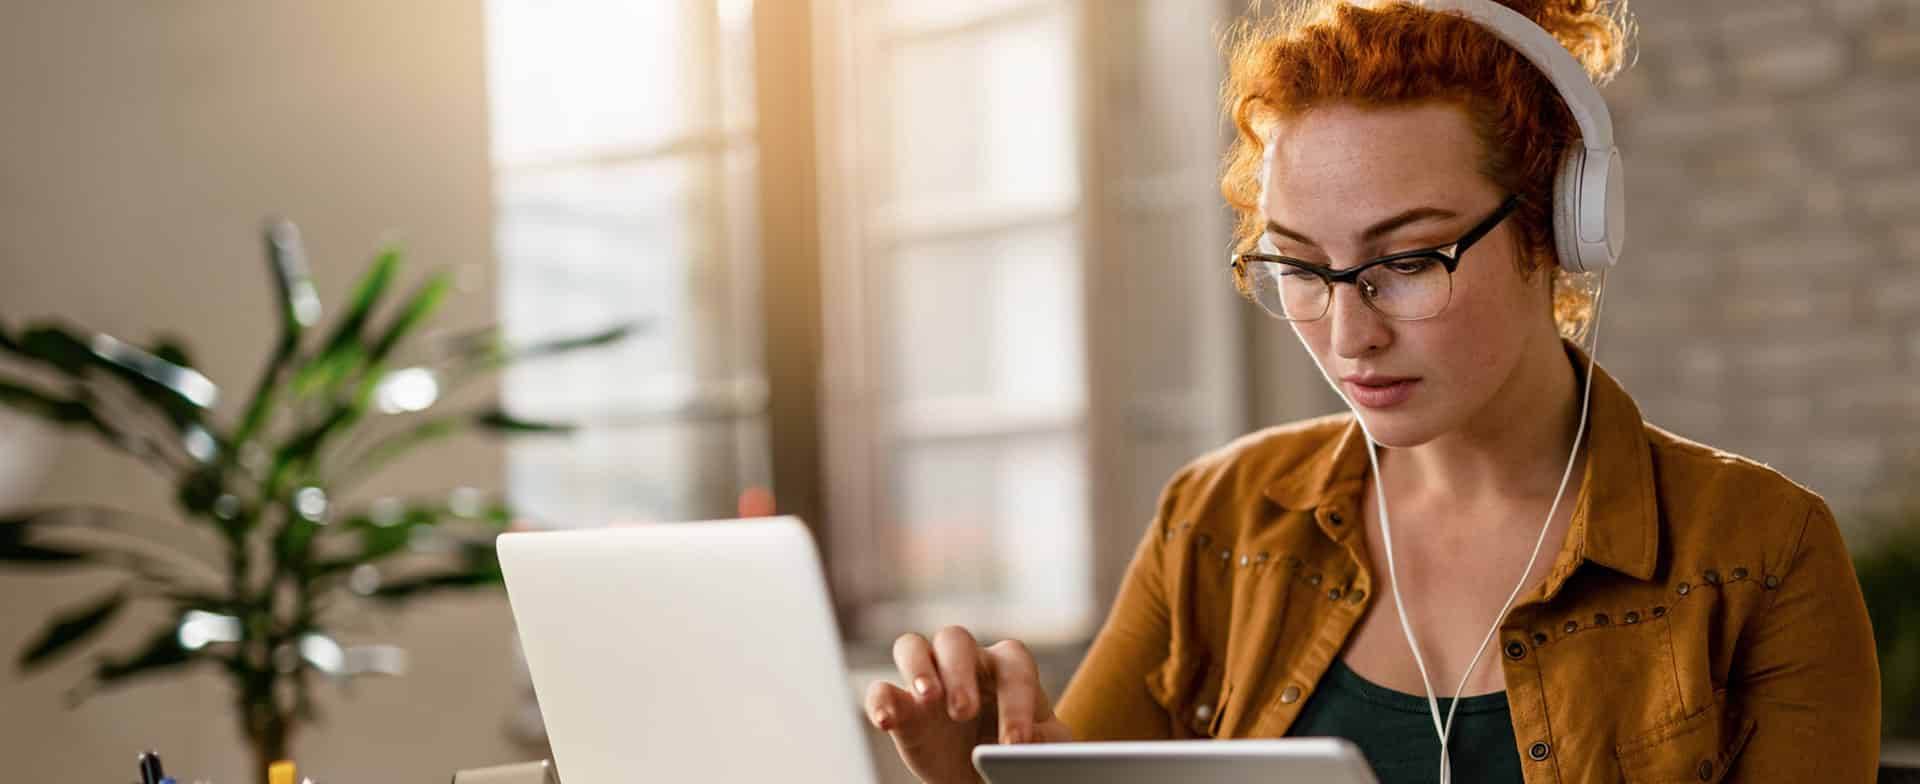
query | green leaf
(391,447)
(70,628)
(500,421)
(57,348)
(184,393)
(293,282)
(500,354)
(60,411)
(303,446)
(299,308)
(478,567)
(172,350)
(162,652)
(16,549)
(425,300)
(181,393)
(389,526)
(343,350)
(413,587)
(126,549)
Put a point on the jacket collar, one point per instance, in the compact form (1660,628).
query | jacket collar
(1615,522)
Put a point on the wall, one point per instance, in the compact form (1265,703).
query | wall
(1772,302)
(141,144)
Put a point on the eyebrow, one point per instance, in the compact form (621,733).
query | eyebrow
(1377,230)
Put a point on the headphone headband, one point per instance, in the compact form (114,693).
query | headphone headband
(1546,53)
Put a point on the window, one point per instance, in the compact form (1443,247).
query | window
(957,182)
(624,160)
(985,444)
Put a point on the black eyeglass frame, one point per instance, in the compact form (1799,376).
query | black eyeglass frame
(1448,255)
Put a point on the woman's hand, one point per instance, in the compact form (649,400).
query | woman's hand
(961,695)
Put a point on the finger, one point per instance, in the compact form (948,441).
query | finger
(958,656)
(1022,701)
(888,706)
(913,655)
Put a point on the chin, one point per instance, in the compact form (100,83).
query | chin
(1399,430)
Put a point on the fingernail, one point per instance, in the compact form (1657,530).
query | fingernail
(923,685)
(1014,736)
(956,706)
(883,720)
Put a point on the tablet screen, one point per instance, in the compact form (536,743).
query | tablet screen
(1317,760)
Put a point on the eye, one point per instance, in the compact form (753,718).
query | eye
(1413,266)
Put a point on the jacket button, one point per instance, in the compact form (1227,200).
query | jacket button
(1244,560)
(1684,589)
(1539,639)
(1706,770)
(1632,617)
(1357,596)
(1226,555)
(1334,518)
(1773,581)
(1601,619)
(1539,750)
(1571,627)
(1516,650)
(1739,573)
(1203,540)
(1333,593)
(1712,577)
(1290,695)
(1203,713)
(1659,612)
(1313,579)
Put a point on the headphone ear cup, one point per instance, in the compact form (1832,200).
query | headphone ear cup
(1566,210)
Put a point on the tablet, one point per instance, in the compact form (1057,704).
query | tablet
(1316,760)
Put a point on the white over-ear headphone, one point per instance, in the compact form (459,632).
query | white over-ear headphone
(1589,195)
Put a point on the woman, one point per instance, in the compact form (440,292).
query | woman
(1681,613)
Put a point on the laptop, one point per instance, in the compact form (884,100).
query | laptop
(701,651)
(707,652)
(540,772)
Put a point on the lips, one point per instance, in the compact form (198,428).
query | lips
(1378,391)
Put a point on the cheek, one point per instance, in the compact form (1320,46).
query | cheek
(1314,335)
(1484,324)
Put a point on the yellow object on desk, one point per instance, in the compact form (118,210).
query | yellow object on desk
(280,772)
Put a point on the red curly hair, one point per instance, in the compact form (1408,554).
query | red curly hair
(1316,52)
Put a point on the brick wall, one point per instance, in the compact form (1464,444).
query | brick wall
(1769,301)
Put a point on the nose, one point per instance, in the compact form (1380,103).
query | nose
(1358,329)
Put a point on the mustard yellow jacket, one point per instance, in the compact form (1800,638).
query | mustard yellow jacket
(1702,622)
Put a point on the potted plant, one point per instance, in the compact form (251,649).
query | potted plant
(1889,570)
(267,490)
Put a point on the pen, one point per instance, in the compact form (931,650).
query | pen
(150,772)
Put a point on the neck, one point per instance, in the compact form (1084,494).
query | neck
(1514,450)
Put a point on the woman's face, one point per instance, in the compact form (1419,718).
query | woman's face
(1345,185)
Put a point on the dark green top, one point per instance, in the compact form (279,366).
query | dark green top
(1395,730)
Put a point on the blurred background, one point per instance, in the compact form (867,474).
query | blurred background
(946,279)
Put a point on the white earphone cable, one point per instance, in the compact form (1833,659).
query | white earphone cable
(1440,726)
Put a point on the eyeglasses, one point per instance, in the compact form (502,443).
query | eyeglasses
(1408,286)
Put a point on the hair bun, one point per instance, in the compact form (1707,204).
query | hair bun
(1597,32)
